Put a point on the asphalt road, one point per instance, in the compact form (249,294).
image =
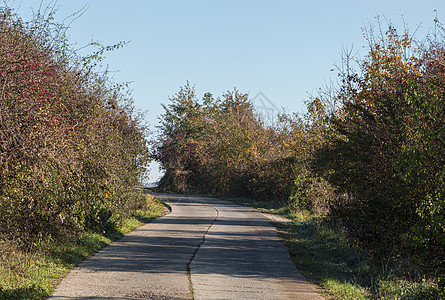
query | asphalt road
(204,249)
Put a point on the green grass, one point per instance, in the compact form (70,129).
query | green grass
(34,274)
(322,252)
(325,259)
(273,207)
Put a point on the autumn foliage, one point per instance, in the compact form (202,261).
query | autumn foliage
(220,146)
(385,152)
(368,155)
(72,148)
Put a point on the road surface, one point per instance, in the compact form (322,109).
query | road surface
(204,249)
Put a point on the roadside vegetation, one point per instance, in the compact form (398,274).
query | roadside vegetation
(361,173)
(365,164)
(326,256)
(73,150)
(34,273)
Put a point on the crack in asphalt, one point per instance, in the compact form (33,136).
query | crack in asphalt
(189,274)
(242,258)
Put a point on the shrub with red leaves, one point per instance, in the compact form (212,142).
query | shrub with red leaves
(72,148)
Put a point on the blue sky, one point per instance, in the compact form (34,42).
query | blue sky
(285,49)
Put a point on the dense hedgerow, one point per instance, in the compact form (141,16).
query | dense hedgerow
(384,150)
(221,146)
(72,148)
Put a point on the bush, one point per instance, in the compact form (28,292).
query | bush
(72,148)
(385,152)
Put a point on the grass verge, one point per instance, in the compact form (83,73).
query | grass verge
(322,252)
(34,274)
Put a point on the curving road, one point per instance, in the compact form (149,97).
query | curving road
(204,249)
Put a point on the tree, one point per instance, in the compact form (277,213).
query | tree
(220,146)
